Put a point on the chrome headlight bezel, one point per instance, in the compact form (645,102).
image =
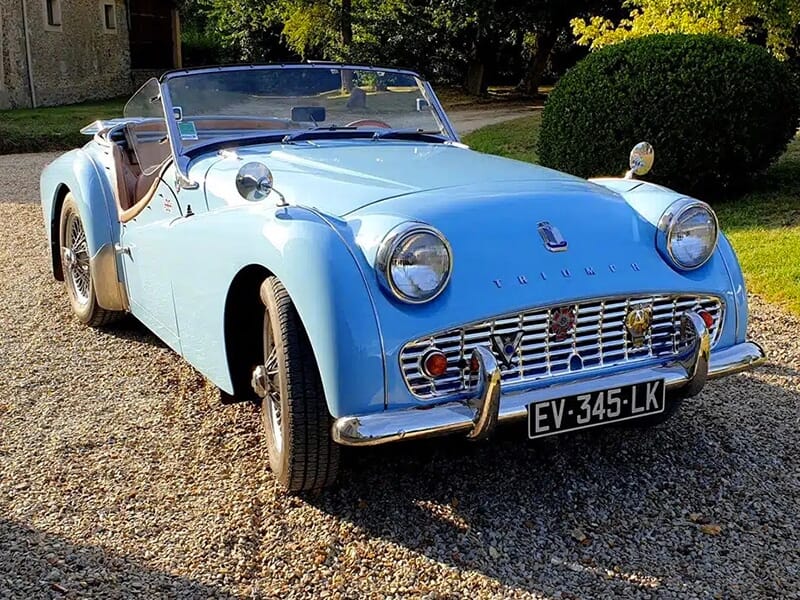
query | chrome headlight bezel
(671,219)
(387,249)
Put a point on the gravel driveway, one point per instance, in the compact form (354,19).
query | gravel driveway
(121,475)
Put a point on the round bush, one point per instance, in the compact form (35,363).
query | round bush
(716,110)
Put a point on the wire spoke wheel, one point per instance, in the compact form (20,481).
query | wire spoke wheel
(76,259)
(76,268)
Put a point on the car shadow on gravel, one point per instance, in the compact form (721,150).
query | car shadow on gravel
(611,507)
(41,565)
(131,329)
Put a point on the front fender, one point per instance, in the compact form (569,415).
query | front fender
(307,254)
(651,201)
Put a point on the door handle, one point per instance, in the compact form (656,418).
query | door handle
(120,249)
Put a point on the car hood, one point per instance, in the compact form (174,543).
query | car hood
(501,263)
(340,177)
(494,230)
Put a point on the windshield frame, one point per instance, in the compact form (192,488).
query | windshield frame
(182,156)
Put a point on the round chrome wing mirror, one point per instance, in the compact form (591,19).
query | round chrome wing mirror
(641,161)
(254,181)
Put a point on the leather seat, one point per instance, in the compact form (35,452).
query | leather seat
(125,178)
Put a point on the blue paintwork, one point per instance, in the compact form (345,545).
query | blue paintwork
(344,197)
(82,172)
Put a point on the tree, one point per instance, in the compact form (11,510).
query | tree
(532,27)
(545,22)
(249,30)
(732,18)
(468,42)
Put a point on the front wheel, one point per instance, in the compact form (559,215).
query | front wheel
(77,271)
(297,425)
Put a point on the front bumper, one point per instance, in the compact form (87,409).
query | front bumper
(478,416)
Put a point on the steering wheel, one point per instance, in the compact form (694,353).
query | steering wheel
(369,123)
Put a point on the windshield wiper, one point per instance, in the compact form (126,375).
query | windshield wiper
(414,135)
(322,132)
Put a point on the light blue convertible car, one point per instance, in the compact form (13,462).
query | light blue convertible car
(315,238)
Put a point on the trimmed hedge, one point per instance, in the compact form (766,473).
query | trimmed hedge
(716,110)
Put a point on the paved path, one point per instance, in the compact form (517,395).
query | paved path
(19,173)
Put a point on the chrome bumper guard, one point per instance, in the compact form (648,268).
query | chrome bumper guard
(477,417)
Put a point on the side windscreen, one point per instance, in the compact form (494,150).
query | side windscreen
(148,136)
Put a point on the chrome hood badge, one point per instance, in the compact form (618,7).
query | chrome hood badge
(552,238)
(506,346)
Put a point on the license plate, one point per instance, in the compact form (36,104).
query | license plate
(550,417)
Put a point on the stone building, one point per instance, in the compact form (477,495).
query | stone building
(63,51)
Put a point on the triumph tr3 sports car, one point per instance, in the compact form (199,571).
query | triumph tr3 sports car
(315,238)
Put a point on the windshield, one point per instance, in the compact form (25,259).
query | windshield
(224,103)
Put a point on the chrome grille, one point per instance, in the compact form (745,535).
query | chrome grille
(599,339)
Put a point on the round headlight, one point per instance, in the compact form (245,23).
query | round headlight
(414,262)
(688,233)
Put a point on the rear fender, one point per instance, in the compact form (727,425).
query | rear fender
(80,173)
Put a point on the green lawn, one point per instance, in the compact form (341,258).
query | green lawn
(57,128)
(763,224)
(513,139)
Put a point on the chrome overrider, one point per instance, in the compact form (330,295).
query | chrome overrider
(684,375)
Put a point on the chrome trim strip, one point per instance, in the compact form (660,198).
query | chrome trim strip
(392,426)
(181,161)
(108,289)
(439,109)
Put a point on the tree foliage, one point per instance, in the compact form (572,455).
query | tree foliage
(464,41)
(775,20)
(718,111)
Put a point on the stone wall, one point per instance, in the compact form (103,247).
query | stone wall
(80,60)
(14,90)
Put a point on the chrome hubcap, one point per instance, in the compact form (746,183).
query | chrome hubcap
(76,259)
(265,382)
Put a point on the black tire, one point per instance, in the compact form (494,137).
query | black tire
(302,453)
(673,403)
(77,275)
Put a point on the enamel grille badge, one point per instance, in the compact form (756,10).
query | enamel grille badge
(562,322)
(506,346)
(637,322)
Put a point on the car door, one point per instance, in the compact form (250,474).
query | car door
(147,258)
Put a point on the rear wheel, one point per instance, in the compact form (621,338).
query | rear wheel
(77,272)
(297,425)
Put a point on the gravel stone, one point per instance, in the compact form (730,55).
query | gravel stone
(122,475)
(19,175)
